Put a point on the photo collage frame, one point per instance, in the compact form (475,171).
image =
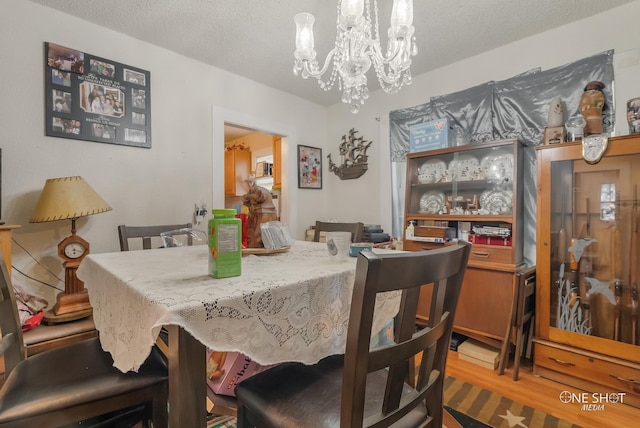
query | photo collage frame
(96,99)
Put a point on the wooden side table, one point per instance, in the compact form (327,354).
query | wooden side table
(45,337)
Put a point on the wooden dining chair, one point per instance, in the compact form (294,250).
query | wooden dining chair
(522,316)
(74,383)
(146,233)
(370,387)
(356,229)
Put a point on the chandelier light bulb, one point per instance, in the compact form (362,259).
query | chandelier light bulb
(402,13)
(351,11)
(357,49)
(354,8)
(304,36)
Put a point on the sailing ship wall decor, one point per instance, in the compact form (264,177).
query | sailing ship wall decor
(353,155)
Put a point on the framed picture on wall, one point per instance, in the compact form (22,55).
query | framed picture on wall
(96,99)
(309,167)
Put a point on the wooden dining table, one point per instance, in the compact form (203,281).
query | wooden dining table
(289,306)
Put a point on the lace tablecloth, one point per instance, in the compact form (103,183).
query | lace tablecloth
(292,306)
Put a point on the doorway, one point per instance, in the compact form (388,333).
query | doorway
(264,164)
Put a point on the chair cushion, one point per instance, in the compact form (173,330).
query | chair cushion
(68,376)
(294,395)
(44,332)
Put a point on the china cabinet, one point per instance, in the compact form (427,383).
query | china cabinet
(237,169)
(588,258)
(471,192)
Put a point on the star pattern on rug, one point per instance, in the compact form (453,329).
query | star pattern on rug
(513,421)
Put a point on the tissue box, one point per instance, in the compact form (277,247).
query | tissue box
(429,135)
(355,248)
(235,368)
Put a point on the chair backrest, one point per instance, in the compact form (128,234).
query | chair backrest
(146,233)
(525,303)
(11,344)
(405,272)
(355,229)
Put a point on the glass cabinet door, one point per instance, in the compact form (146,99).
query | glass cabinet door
(472,182)
(594,218)
(473,192)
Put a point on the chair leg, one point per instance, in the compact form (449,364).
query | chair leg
(518,351)
(529,346)
(504,351)
(506,342)
(159,412)
(241,417)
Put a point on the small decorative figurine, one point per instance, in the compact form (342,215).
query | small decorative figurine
(633,115)
(261,210)
(575,128)
(591,104)
(556,115)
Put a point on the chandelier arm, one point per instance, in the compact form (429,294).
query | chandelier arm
(392,55)
(381,66)
(313,71)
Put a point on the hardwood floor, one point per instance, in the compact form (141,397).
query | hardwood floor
(537,392)
(540,393)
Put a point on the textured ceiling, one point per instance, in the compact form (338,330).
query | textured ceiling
(255,38)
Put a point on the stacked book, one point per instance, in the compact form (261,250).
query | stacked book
(490,240)
(491,235)
(492,231)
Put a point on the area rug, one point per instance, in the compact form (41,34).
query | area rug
(471,407)
(493,410)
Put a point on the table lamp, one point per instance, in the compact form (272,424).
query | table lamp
(69,198)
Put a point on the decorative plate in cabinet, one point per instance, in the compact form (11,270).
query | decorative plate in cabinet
(432,203)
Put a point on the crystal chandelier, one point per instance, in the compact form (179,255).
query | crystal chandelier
(357,48)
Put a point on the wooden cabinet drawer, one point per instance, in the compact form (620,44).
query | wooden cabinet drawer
(491,254)
(620,376)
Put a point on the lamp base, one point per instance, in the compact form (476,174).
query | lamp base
(72,302)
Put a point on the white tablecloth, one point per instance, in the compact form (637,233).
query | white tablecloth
(292,306)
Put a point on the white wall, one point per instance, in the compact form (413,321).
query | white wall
(190,103)
(369,198)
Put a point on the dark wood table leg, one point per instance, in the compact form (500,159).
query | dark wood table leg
(187,380)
